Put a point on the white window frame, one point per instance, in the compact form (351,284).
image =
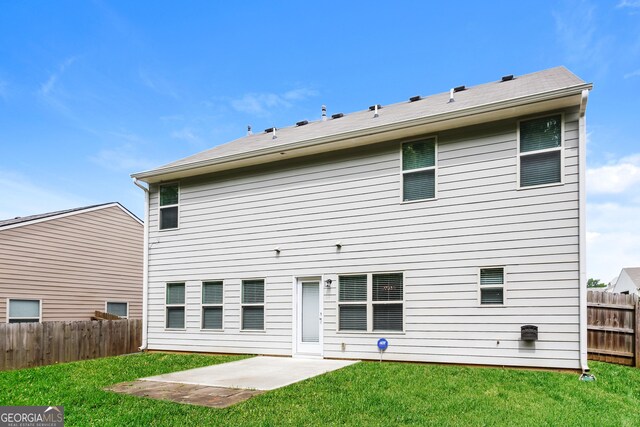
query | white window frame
(370,303)
(23,318)
(434,168)
(183,305)
(546,150)
(263,305)
(175,205)
(503,286)
(203,306)
(106,305)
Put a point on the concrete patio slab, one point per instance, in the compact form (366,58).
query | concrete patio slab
(256,373)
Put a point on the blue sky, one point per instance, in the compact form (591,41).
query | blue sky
(93,91)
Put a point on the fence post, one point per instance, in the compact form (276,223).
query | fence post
(637,333)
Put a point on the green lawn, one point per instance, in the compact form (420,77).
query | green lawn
(364,394)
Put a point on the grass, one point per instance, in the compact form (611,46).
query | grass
(365,394)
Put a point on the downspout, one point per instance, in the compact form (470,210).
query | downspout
(145,268)
(582,155)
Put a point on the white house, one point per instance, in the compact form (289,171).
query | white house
(443,224)
(628,282)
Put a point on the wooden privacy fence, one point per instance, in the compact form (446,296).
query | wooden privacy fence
(613,328)
(24,345)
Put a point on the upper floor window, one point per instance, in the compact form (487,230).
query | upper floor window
(419,169)
(169,199)
(23,311)
(540,151)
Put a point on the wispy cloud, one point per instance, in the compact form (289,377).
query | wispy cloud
(634,4)
(578,33)
(635,73)
(188,135)
(49,85)
(124,154)
(261,104)
(22,197)
(617,177)
(158,84)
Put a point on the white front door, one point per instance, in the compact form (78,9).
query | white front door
(309,317)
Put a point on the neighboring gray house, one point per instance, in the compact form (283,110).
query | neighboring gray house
(65,265)
(628,282)
(443,224)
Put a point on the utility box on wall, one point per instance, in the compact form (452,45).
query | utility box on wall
(529,333)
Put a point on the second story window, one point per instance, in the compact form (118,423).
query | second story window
(169,199)
(540,151)
(419,170)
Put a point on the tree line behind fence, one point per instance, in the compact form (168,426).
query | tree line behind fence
(24,345)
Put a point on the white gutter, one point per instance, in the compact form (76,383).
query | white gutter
(582,209)
(145,268)
(389,127)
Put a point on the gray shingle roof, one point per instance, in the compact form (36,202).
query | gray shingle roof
(488,93)
(634,274)
(20,219)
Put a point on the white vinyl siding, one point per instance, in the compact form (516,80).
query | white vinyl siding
(212,300)
(540,151)
(253,305)
(24,311)
(419,169)
(120,309)
(175,306)
(230,223)
(169,206)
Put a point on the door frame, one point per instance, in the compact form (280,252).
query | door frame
(296,328)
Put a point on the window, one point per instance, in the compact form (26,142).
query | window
(492,285)
(540,151)
(169,198)
(253,305)
(419,170)
(175,305)
(381,309)
(120,309)
(212,305)
(24,311)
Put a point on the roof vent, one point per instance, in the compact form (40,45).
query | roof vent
(269,130)
(302,123)
(324,113)
(373,107)
(415,98)
(337,115)
(507,78)
(459,88)
(249,130)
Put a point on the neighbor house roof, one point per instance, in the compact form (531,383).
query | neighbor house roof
(530,88)
(634,275)
(24,220)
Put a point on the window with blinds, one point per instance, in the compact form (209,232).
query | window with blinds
(175,305)
(169,201)
(371,302)
(352,305)
(492,285)
(419,170)
(540,151)
(253,305)
(212,297)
